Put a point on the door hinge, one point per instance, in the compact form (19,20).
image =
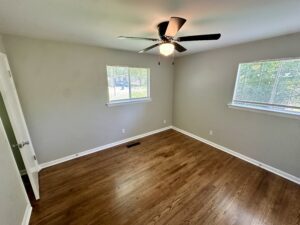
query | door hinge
(34,157)
(9,73)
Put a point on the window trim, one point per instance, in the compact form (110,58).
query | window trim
(271,60)
(283,113)
(129,100)
(287,114)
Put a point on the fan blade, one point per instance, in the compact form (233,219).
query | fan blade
(179,47)
(204,37)
(162,27)
(139,38)
(147,49)
(174,26)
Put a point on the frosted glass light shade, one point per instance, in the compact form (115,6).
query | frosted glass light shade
(166,49)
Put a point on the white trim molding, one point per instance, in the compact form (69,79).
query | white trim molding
(241,156)
(293,115)
(27,214)
(217,146)
(103,147)
(128,102)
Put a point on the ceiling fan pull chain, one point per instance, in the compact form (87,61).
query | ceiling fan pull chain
(173,59)
(158,59)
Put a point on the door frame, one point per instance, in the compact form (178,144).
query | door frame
(28,210)
(32,167)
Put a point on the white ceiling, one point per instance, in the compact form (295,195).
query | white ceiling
(99,22)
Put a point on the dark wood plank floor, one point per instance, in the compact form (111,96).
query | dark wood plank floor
(168,179)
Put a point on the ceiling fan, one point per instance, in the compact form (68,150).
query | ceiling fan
(167,42)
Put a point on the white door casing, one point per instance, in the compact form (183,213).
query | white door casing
(15,113)
(12,176)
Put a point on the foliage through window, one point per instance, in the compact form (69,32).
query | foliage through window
(271,85)
(128,83)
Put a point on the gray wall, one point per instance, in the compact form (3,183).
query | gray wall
(2,49)
(63,91)
(13,199)
(204,85)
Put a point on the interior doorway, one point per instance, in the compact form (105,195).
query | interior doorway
(11,137)
(15,149)
(13,110)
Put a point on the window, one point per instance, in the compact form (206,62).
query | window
(269,85)
(128,84)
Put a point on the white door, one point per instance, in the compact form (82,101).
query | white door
(14,110)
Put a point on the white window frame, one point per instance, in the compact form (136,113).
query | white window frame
(239,104)
(129,100)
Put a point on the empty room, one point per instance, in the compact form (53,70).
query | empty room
(149,112)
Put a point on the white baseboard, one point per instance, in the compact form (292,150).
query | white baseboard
(103,147)
(222,148)
(27,214)
(241,156)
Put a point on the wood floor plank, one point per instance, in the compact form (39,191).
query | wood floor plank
(169,178)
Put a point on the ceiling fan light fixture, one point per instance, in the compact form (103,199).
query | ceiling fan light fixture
(166,49)
(167,31)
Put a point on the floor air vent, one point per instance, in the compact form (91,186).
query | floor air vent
(132,144)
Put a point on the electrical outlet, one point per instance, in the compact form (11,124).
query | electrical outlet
(123,130)
(164,121)
(211,132)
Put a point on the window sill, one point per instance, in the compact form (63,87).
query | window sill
(128,102)
(293,115)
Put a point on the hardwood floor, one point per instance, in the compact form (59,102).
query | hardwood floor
(168,179)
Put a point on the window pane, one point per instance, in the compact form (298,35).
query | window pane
(273,83)
(255,81)
(126,83)
(287,91)
(118,83)
(139,82)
